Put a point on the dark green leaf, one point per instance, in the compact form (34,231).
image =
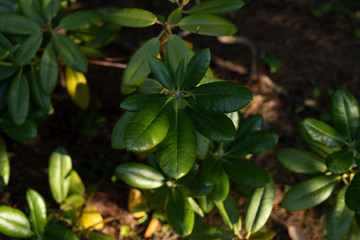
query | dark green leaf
(4,165)
(76,184)
(229,213)
(4,42)
(309,193)
(4,93)
(18,99)
(249,126)
(40,98)
(354,232)
(14,223)
(345,113)
(117,136)
(56,231)
(28,49)
(49,69)
(197,187)
(22,133)
(211,171)
(60,165)
(180,74)
(50,8)
(150,86)
(162,73)
(203,145)
(32,9)
(352,196)
(340,218)
(99,236)
(175,51)
(180,217)
(70,53)
(216,127)
(216,7)
(136,102)
(206,203)
(148,127)
(18,24)
(6,72)
(301,161)
(175,16)
(138,67)
(207,25)
(221,188)
(259,207)
(246,173)
(132,17)
(176,154)
(37,214)
(4,54)
(108,33)
(140,175)
(340,161)
(210,232)
(322,133)
(81,19)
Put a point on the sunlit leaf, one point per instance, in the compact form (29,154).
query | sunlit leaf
(229,213)
(4,165)
(37,208)
(80,19)
(14,223)
(132,17)
(77,87)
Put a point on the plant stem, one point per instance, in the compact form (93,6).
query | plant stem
(107,64)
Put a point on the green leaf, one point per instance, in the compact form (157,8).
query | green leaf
(162,73)
(18,99)
(175,51)
(132,17)
(210,232)
(22,133)
(180,74)
(221,97)
(198,188)
(14,223)
(4,42)
(70,53)
(340,161)
(60,166)
(81,19)
(322,133)
(216,7)
(57,231)
(246,173)
(221,188)
(309,193)
(4,165)
(32,9)
(99,236)
(229,213)
(74,201)
(211,171)
(175,16)
(28,49)
(259,207)
(340,218)
(263,236)
(37,214)
(195,207)
(40,98)
(150,86)
(176,154)
(6,72)
(148,127)
(345,113)
(18,24)
(76,184)
(196,69)
(301,161)
(354,232)
(140,175)
(49,69)
(50,8)
(216,127)
(136,102)
(207,25)
(206,203)
(180,216)
(202,145)
(249,126)
(138,67)
(117,136)
(352,196)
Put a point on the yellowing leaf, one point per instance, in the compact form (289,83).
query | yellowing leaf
(77,88)
(135,199)
(190,45)
(91,218)
(154,223)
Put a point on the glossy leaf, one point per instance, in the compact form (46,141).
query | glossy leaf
(301,161)
(259,207)
(140,175)
(309,193)
(136,102)
(180,74)
(221,188)
(197,187)
(50,8)
(14,223)
(175,16)
(206,203)
(7,72)
(322,133)
(345,113)
(180,217)
(249,126)
(210,232)
(340,161)
(246,173)
(216,7)
(60,165)
(117,136)
(176,154)
(58,232)
(22,133)
(203,145)
(41,99)
(162,73)
(216,127)
(80,19)
(132,17)
(18,99)
(4,165)
(74,201)
(28,49)
(352,196)
(138,67)
(175,51)
(207,25)
(32,9)
(229,213)
(211,171)
(18,24)
(195,207)
(196,69)
(77,87)
(76,184)
(340,218)
(37,214)
(49,69)
(70,53)
(148,127)
(150,86)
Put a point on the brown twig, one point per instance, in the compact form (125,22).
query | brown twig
(107,63)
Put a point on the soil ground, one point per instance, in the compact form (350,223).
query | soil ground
(319,54)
